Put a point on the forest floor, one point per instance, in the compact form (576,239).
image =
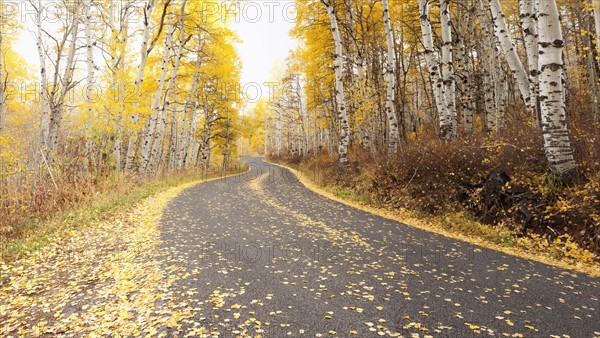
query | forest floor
(259,254)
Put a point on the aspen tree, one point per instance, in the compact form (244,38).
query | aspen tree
(552,93)
(431,58)
(510,53)
(390,72)
(340,94)
(448,127)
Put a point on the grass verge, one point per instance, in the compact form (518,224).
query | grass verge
(36,233)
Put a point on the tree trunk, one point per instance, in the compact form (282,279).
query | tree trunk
(390,102)
(528,15)
(448,127)
(151,136)
(552,92)
(433,64)
(510,53)
(57,107)
(340,94)
(158,145)
(44,104)
(144,53)
(184,147)
(488,78)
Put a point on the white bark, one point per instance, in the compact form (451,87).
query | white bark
(528,15)
(44,104)
(390,102)
(150,134)
(433,64)
(448,126)
(184,146)
(65,85)
(597,22)
(144,53)
(340,96)
(510,53)
(89,37)
(486,50)
(157,145)
(552,92)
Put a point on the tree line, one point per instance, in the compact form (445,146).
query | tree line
(376,73)
(123,87)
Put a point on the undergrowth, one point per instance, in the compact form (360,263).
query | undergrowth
(77,205)
(452,184)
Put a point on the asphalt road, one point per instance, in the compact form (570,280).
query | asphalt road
(261,255)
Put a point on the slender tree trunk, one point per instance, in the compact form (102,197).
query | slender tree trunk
(191,101)
(89,38)
(57,107)
(597,22)
(510,53)
(448,129)
(528,11)
(157,144)
(390,102)
(151,136)
(464,22)
(340,94)
(433,64)
(488,78)
(44,104)
(593,79)
(552,92)
(209,117)
(144,53)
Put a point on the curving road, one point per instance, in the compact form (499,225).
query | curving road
(261,255)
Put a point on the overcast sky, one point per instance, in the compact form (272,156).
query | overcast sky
(262,25)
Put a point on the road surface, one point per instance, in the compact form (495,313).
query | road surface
(262,255)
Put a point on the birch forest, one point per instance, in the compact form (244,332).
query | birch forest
(299,168)
(488,107)
(410,104)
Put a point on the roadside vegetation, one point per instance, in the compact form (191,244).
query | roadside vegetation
(493,190)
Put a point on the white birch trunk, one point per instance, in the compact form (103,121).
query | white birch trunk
(433,64)
(597,22)
(89,38)
(552,92)
(528,15)
(488,82)
(184,145)
(144,53)
(157,144)
(448,127)
(209,117)
(390,102)
(342,114)
(44,104)
(57,108)
(157,106)
(510,53)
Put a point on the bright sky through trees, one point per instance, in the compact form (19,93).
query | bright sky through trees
(263,28)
